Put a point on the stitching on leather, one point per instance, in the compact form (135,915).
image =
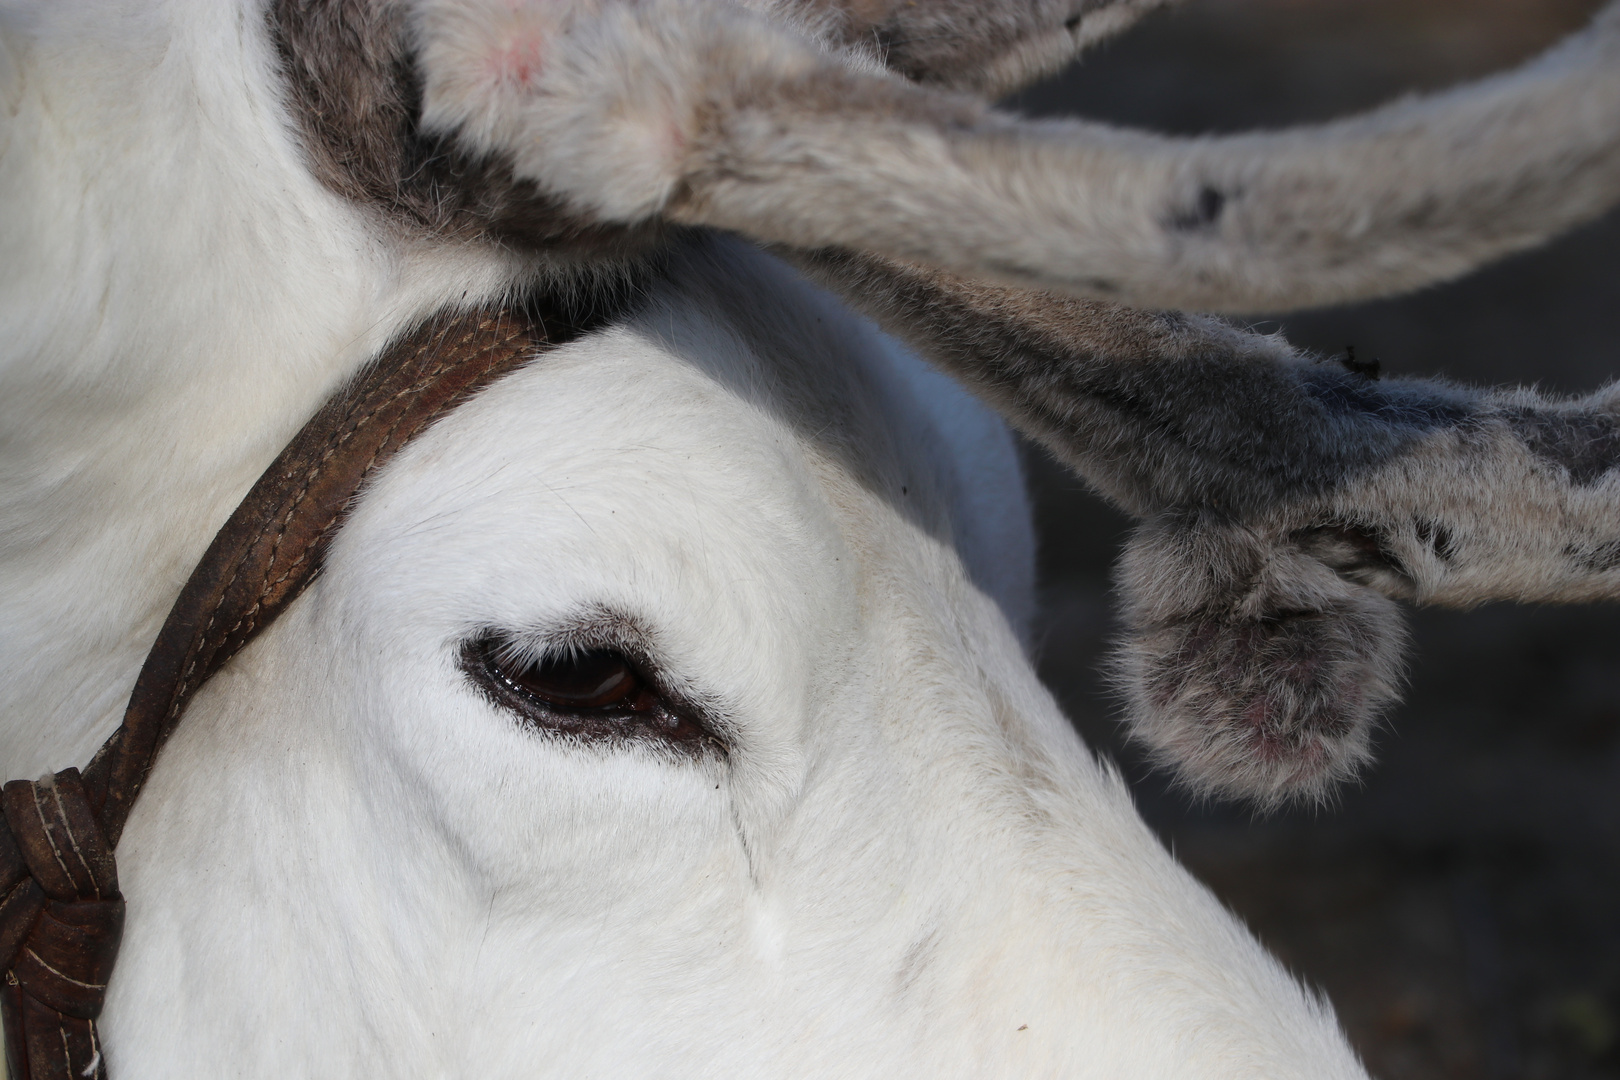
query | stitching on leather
(339,439)
(250,616)
(73,841)
(59,974)
(45,827)
(337,443)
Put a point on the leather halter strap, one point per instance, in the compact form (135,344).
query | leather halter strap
(62,916)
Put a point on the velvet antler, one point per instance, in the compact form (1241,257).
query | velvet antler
(710,114)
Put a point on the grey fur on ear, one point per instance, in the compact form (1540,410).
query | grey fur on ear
(1249,667)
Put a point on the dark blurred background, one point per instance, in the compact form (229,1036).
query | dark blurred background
(1462,906)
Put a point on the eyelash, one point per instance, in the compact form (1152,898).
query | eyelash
(594,695)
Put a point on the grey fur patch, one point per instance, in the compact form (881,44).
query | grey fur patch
(1584,444)
(1158,412)
(353,88)
(920,955)
(1417,405)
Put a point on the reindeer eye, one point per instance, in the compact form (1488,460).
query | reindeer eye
(592,680)
(594,694)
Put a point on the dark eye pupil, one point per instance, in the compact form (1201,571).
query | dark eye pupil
(588,680)
(594,695)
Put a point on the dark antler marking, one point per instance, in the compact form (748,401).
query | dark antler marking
(1436,537)
(1596,560)
(1367,369)
(1203,214)
(1395,404)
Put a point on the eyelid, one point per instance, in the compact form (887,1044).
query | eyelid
(622,683)
(640,711)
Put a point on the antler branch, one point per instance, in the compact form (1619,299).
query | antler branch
(711,115)
(1287,502)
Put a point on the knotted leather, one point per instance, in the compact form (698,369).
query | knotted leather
(62,916)
(60,926)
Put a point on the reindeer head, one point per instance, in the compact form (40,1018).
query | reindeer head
(662,710)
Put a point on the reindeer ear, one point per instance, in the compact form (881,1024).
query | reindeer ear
(1250,668)
(706,114)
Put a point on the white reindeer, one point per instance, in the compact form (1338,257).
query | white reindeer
(856,836)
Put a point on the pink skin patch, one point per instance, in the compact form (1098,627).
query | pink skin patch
(516,61)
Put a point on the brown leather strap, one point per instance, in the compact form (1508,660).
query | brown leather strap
(272,545)
(61,916)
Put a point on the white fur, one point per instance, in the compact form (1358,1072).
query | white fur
(177,295)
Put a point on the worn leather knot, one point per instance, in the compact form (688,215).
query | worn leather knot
(60,925)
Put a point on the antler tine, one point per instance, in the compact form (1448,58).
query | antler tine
(710,115)
(1286,502)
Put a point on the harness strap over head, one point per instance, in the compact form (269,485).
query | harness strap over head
(61,914)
